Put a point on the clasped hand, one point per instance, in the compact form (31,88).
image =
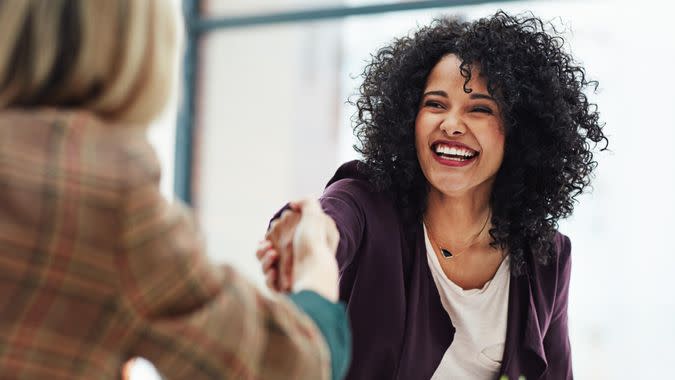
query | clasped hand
(298,252)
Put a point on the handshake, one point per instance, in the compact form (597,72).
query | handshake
(298,252)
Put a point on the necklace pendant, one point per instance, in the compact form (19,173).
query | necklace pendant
(447,254)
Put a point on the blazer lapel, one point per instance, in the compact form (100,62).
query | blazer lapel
(524,352)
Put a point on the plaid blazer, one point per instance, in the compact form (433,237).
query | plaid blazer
(96,268)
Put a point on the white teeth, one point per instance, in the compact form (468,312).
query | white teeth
(453,151)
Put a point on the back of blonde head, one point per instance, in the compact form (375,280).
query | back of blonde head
(115,58)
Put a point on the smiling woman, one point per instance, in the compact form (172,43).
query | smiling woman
(476,138)
(459,138)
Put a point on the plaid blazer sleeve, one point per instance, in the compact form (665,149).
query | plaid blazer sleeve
(194,320)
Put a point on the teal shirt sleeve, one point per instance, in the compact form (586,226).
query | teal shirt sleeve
(331,319)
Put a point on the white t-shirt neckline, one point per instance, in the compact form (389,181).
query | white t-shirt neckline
(502,271)
(480,319)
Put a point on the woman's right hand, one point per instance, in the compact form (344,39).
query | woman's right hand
(299,250)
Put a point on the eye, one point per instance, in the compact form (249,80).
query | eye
(433,104)
(482,109)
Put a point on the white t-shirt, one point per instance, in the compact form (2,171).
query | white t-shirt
(479,317)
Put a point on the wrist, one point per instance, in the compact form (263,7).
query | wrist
(319,277)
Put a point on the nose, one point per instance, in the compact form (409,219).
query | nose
(453,125)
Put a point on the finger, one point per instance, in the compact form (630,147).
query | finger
(263,247)
(269,235)
(271,279)
(295,205)
(270,260)
(285,266)
(281,237)
(275,225)
(287,213)
(288,272)
(280,225)
(284,231)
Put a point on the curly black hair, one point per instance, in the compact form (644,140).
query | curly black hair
(551,128)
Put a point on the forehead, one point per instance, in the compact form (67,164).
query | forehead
(446,75)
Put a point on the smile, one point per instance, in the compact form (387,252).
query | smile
(454,152)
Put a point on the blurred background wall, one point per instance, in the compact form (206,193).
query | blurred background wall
(272,124)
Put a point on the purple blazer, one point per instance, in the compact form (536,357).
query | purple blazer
(400,329)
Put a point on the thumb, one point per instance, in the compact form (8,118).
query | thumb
(308,204)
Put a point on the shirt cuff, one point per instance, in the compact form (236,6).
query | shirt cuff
(332,321)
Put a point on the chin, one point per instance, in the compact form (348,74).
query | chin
(450,187)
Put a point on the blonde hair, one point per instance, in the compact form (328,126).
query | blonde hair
(115,58)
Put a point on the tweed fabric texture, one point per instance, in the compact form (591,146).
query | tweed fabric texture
(96,267)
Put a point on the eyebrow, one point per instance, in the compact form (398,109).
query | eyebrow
(437,92)
(478,95)
(474,95)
